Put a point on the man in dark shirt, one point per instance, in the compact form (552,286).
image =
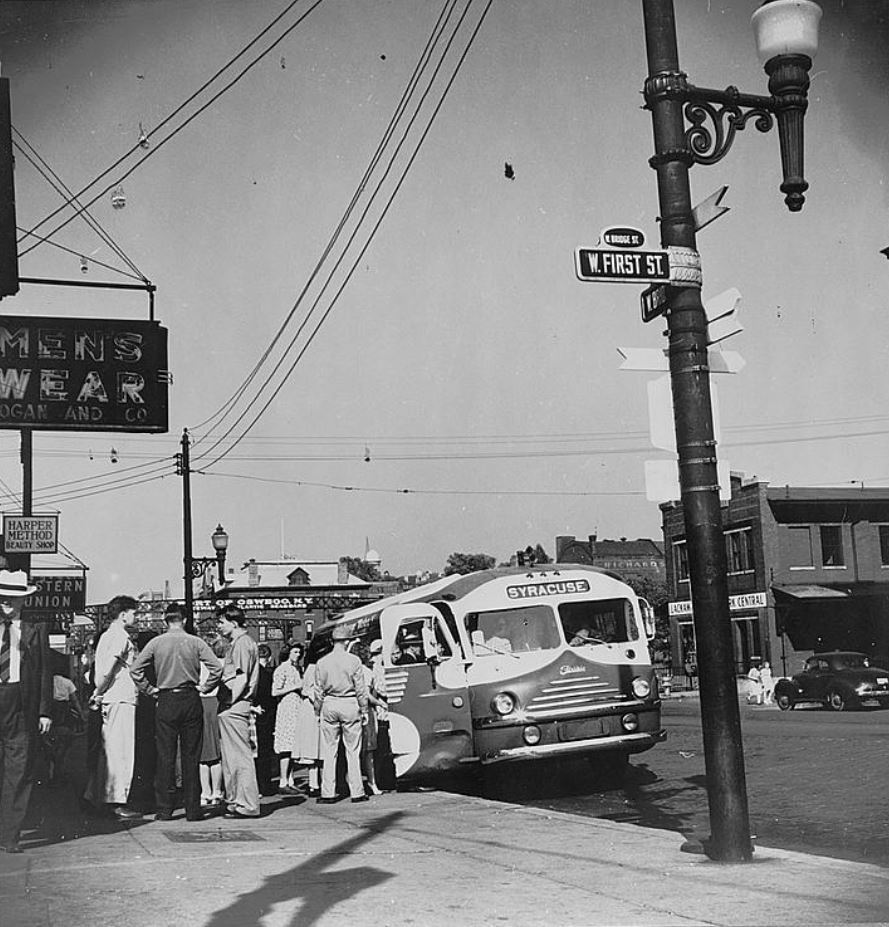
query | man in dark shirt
(176,659)
(264,705)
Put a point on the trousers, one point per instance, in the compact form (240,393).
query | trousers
(179,721)
(113,771)
(341,720)
(15,743)
(238,769)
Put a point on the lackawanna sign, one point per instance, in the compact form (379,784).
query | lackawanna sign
(736,603)
(65,374)
(57,594)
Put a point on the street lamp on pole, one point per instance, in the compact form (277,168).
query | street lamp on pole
(220,544)
(786,34)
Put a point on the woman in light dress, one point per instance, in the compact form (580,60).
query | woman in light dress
(287,686)
(307,743)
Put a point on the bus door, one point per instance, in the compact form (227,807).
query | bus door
(430,725)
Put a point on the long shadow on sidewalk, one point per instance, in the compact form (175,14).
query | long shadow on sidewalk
(314,882)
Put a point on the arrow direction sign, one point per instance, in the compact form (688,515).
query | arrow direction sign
(722,312)
(655,360)
(709,210)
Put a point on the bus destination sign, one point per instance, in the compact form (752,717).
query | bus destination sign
(619,265)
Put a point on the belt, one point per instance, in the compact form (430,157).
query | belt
(9,683)
(180,689)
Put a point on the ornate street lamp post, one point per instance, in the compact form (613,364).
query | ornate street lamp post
(786,33)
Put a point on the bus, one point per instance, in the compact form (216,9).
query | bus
(514,665)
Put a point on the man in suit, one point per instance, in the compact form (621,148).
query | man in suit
(25,702)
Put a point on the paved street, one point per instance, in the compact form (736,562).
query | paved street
(814,781)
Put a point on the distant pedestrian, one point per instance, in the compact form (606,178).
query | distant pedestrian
(25,702)
(767,682)
(341,702)
(175,657)
(240,678)
(212,794)
(287,684)
(265,708)
(115,697)
(755,676)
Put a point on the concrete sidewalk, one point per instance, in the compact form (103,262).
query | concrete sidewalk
(424,858)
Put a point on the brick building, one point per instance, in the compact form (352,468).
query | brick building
(808,570)
(642,558)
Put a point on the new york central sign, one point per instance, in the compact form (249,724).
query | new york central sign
(68,374)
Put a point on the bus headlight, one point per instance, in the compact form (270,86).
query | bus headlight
(630,722)
(641,687)
(531,735)
(503,703)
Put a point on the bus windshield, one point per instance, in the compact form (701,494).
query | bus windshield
(513,630)
(606,621)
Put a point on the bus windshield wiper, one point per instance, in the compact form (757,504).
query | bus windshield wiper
(505,653)
(592,640)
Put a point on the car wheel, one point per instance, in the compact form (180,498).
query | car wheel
(784,702)
(836,701)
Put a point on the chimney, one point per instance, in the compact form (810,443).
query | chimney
(252,572)
(342,572)
(563,542)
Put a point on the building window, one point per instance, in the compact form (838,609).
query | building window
(680,561)
(884,544)
(739,550)
(799,547)
(832,546)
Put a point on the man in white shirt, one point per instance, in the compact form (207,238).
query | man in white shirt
(115,697)
(25,702)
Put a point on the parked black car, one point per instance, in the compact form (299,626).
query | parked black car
(838,680)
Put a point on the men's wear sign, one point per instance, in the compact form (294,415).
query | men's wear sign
(66,374)
(31,534)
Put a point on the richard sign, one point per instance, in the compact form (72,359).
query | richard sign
(64,374)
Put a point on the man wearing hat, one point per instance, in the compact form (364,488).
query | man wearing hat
(341,703)
(25,701)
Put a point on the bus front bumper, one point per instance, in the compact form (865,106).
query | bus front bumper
(626,743)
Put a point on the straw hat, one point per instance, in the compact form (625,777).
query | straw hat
(15,583)
(342,634)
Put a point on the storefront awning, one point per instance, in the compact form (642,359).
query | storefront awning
(811,592)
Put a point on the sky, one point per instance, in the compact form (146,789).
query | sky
(462,391)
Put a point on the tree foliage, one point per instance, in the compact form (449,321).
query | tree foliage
(657,594)
(468,563)
(369,572)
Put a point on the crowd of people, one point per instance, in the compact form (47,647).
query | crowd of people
(172,720)
(225,723)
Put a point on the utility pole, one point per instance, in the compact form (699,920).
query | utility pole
(185,472)
(689,374)
(9,262)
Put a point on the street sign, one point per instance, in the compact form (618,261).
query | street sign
(656,360)
(31,534)
(722,311)
(661,418)
(655,301)
(614,265)
(709,210)
(662,480)
(622,237)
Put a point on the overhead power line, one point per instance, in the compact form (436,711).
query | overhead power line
(367,243)
(152,151)
(422,62)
